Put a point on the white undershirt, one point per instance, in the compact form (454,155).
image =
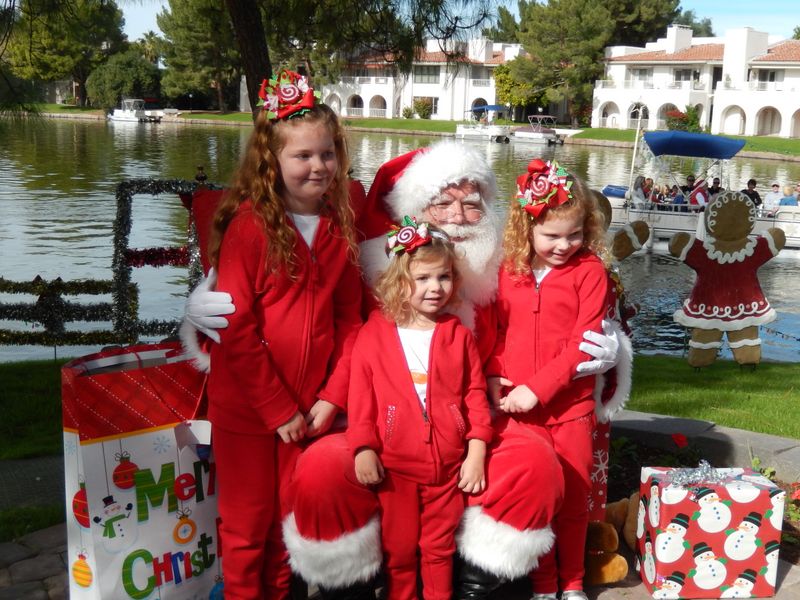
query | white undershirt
(306,225)
(540,273)
(417,348)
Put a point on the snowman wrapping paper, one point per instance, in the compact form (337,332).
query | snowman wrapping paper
(706,539)
(140,477)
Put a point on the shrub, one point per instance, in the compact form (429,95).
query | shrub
(423,107)
(408,112)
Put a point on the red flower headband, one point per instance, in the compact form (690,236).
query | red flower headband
(545,185)
(408,236)
(286,95)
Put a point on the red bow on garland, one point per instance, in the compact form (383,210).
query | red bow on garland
(545,185)
(286,95)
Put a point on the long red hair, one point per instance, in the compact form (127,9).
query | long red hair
(259,179)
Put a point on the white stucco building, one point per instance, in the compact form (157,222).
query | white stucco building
(744,83)
(374,88)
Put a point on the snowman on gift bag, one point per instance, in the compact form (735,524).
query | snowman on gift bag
(671,587)
(671,543)
(640,517)
(649,561)
(742,586)
(654,506)
(119,531)
(742,491)
(770,572)
(742,542)
(713,514)
(776,498)
(709,571)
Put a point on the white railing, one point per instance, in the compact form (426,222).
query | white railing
(381,80)
(353,111)
(766,86)
(625,85)
(364,80)
(377,112)
(686,85)
(348,79)
(481,82)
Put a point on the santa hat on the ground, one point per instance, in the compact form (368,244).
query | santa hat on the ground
(405,185)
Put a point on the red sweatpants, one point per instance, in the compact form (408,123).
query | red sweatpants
(415,514)
(563,567)
(251,471)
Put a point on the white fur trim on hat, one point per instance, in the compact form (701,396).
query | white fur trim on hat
(498,548)
(191,346)
(624,372)
(444,163)
(350,558)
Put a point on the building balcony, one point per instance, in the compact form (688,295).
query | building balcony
(480,82)
(379,113)
(610,84)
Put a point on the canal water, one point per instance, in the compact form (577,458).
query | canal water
(57,205)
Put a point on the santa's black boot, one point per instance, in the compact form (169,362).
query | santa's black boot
(363,590)
(471,582)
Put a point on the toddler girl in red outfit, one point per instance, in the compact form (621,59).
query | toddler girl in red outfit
(417,393)
(283,246)
(552,288)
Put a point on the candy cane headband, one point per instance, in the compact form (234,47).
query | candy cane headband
(545,185)
(408,236)
(286,95)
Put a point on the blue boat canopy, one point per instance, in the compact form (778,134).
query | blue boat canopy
(683,143)
(495,107)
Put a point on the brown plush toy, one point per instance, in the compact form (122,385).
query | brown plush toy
(604,564)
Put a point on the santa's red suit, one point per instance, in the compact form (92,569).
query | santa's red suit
(421,452)
(285,346)
(333,534)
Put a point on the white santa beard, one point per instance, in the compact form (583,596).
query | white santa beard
(479,255)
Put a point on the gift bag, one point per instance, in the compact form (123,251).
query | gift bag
(140,477)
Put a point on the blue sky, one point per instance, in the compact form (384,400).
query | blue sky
(776,17)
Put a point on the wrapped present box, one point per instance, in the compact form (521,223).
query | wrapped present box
(708,533)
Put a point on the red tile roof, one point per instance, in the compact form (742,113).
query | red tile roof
(699,53)
(788,51)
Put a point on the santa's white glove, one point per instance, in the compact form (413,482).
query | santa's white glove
(204,307)
(604,348)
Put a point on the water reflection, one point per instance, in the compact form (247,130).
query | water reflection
(57,205)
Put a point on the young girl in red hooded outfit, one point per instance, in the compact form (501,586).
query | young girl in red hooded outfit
(283,247)
(417,392)
(552,288)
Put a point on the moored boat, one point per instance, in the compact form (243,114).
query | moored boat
(541,130)
(660,155)
(132,111)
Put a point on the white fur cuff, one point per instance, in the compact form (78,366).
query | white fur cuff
(354,557)
(498,548)
(624,372)
(191,346)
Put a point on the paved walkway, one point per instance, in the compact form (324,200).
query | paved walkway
(34,567)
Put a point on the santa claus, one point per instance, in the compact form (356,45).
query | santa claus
(332,534)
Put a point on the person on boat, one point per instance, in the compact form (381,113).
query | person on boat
(687,189)
(638,195)
(750,192)
(333,535)
(772,200)
(796,192)
(715,188)
(698,198)
(678,199)
(789,199)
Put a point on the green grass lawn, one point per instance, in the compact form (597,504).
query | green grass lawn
(16,522)
(766,400)
(614,135)
(68,108)
(30,402)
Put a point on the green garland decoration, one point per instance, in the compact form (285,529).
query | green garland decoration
(51,311)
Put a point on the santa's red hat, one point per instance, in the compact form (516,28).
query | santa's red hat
(405,185)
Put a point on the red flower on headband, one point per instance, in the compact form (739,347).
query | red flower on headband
(286,95)
(546,184)
(681,441)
